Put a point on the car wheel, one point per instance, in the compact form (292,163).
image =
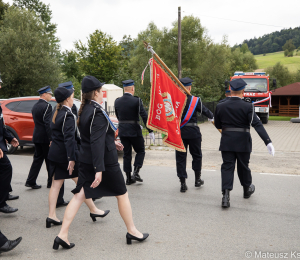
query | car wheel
(10,148)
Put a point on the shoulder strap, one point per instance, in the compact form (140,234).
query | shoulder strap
(190,111)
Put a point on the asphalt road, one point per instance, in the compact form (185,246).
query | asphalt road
(182,226)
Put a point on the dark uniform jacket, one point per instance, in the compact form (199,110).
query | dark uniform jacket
(97,138)
(74,110)
(129,108)
(223,100)
(236,113)
(193,132)
(42,115)
(64,145)
(4,134)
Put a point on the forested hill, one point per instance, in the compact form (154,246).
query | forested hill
(273,42)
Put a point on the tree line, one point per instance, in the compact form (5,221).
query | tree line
(30,55)
(273,42)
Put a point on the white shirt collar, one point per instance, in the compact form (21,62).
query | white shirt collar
(68,108)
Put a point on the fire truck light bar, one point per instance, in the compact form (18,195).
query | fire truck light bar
(241,73)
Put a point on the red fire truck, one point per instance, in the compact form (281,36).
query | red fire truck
(257,92)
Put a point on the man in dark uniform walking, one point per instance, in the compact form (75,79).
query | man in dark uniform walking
(191,136)
(234,117)
(5,167)
(128,108)
(42,114)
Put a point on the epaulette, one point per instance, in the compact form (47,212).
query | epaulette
(96,105)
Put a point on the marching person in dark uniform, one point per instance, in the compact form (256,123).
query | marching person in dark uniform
(99,170)
(227,93)
(5,167)
(63,153)
(191,136)
(8,245)
(235,117)
(69,85)
(41,113)
(128,108)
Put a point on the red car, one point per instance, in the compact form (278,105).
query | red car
(18,118)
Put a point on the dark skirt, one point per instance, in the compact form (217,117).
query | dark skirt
(60,172)
(112,183)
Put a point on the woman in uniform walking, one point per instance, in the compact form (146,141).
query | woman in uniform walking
(99,171)
(63,153)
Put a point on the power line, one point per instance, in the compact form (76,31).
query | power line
(237,20)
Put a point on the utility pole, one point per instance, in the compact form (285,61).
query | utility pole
(179,42)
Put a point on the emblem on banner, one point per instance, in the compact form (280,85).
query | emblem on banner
(170,113)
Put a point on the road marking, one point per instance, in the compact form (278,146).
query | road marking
(210,170)
(265,173)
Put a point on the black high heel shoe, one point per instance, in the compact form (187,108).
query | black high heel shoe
(130,237)
(94,216)
(59,242)
(50,221)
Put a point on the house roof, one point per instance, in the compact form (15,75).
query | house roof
(289,90)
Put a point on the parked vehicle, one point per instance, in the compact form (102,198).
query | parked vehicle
(18,118)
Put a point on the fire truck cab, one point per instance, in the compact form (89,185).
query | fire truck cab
(257,92)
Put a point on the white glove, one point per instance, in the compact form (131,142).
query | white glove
(152,136)
(271,149)
(211,120)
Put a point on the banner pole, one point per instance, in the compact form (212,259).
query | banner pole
(149,48)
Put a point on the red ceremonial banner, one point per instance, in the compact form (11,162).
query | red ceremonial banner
(166,106)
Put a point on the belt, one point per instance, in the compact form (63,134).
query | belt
(229,129)
(129,122)
(191,124)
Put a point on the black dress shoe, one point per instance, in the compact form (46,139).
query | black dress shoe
(129,179)
(35,187)
(248,191)
(12,197)
(65,203)
(183,187)
(94,216)
(50,221)
(130,237)
(59,242)
(8,209)
(226,199)
(136,175)
(10,245)
(96,198)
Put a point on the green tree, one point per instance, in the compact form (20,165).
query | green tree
(101,57)
(281,74)
(289,48)
(3,9)
(27,60)
(70,65)
(244,48)
(44,12)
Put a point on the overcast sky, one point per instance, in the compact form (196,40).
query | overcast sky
(76,19)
